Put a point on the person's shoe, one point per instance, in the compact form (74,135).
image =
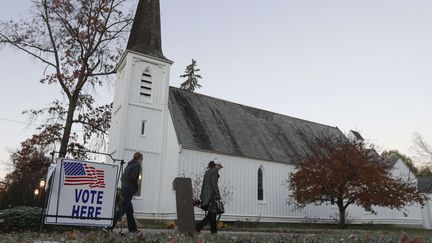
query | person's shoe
(135,231)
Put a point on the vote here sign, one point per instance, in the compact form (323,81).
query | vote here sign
(82,193)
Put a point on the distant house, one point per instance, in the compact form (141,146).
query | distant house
(425,186)
(179,132)
(355,135)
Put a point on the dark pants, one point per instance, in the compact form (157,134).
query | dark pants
(126,207)
(210,217)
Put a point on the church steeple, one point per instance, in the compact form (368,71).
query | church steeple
(145,36)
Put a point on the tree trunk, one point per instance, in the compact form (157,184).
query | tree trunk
(68,126)
(342,217)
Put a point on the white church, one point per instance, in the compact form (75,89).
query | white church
(179,132)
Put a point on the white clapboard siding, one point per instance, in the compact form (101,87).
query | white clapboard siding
(242,175)
(151,142)
(159,169)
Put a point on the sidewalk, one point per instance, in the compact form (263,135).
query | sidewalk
(205,231)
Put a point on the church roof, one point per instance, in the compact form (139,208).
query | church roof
(210,124)
(145,35)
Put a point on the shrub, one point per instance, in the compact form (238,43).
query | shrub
(27,219)
(19,219)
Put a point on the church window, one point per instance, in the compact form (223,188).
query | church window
(143,126)
(260,185)
(146,84)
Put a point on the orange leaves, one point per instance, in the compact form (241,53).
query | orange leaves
(72,235)
(350,172)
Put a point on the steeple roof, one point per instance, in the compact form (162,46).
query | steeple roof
(145,36)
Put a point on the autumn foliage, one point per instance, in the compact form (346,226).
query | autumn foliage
(30,165)
(347,172)
(79,42)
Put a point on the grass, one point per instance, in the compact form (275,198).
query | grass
(173,237)
(301,226)
(282,227)
(237,232)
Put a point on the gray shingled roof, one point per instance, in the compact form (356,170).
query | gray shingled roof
(392,160)
(210,124)
(425,184)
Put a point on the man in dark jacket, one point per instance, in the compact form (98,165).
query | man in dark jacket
(210,193)
(128,190)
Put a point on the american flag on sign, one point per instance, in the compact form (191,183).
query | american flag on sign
(81,174)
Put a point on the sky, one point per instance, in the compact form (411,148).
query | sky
(362,65)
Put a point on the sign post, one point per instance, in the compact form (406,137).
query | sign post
(82,193)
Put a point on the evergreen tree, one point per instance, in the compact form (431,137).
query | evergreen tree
(192,76)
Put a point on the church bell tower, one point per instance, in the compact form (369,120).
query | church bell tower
(140,110)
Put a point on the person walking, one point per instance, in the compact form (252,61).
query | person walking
(209,194)
(128,189)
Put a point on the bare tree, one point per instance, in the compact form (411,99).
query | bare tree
(78,41)
(422,150)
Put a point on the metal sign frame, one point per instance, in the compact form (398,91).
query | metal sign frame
(50,186)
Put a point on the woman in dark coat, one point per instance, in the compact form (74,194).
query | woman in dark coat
(209,194)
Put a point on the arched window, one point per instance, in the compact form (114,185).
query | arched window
(260,184)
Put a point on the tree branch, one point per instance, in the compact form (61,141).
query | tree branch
(13,43)
(91,125)
(55,51)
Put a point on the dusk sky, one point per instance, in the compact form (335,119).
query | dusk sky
(362,65)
